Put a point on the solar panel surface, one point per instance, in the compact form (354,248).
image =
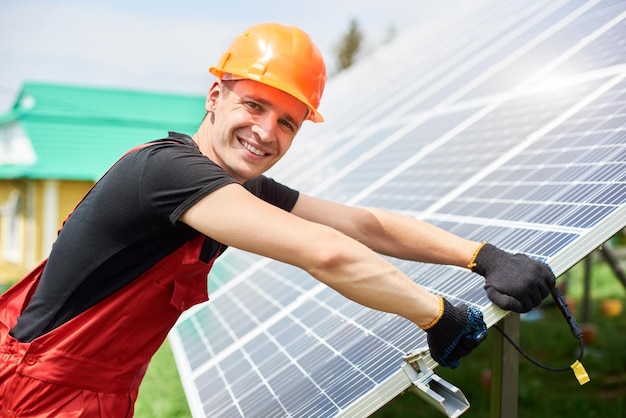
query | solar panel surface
(507,126)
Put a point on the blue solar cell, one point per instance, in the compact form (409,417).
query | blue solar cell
(260,403)
(571,23)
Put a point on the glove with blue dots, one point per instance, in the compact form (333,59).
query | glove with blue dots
(457,331)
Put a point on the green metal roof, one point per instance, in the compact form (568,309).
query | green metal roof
(78,132)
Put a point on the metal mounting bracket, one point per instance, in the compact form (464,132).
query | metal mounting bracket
(444,396)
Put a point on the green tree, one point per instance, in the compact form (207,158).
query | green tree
(349,46)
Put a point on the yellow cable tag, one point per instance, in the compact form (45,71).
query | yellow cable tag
(580,372)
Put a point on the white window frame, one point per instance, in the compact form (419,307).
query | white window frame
(13,227)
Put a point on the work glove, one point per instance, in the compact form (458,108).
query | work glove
(454,333)
(514,282)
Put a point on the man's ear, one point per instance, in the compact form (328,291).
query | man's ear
(212,95)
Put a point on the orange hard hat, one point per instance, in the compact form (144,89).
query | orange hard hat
(280,56)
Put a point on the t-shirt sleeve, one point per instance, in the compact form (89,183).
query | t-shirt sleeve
(175,177)
(272,192)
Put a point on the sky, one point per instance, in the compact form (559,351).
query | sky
(167,46)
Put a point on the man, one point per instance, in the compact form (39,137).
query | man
(77,334)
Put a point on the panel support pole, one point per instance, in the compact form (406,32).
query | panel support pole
(613,261)
(505,369)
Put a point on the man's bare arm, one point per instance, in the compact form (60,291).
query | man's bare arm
(389,233)
(235,217)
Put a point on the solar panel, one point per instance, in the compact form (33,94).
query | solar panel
(507,126)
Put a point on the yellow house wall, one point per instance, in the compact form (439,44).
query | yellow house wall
(69,193)
(5,190)
(10,270)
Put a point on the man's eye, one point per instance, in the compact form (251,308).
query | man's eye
(287,125)
(253,105)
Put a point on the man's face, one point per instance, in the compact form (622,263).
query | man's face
(253,126)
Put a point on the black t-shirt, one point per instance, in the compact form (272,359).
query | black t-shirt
(126,224)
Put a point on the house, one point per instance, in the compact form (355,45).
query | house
(56,142)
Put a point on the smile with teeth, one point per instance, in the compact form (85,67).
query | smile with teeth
(252,149)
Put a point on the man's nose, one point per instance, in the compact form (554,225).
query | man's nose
(265,128)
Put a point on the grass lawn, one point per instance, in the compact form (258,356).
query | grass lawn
(161,393)
(541,393)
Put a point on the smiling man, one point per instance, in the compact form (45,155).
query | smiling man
(78,332)
(257,128)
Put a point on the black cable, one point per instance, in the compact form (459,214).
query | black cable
(535,362)
(559,299)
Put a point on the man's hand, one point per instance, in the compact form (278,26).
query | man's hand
(514,282)
(456,332)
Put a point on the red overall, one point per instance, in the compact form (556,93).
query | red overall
(92,365)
